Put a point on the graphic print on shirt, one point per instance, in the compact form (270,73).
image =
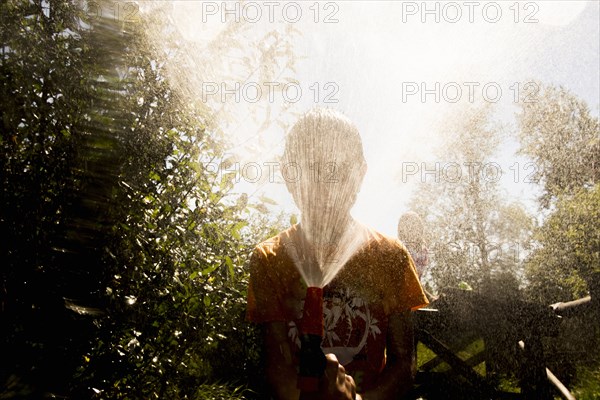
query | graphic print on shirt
(348,322)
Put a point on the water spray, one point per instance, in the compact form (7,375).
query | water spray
(327,149)
(318,265)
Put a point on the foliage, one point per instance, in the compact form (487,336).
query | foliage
(477,237)
(124,266)
(568,248)
(559,134)
(41,137)
(588,384)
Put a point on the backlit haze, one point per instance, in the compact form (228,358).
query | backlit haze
(379,62)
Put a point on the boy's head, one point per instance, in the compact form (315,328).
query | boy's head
(323,165)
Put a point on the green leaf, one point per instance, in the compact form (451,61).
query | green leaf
(230,265)
(153,175)
(209,270)
(235,230)
(267,200)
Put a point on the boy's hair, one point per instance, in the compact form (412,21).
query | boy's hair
(324,132)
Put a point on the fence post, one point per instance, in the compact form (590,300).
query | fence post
(534,381)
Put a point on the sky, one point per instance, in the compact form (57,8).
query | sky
(383,63)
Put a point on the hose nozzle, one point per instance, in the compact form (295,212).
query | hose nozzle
(312,360)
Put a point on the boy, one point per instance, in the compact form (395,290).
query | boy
(366,306)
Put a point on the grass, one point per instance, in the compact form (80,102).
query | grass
(587,384)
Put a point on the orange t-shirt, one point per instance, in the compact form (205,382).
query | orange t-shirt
(380,279)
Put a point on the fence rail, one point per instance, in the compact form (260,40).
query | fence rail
(512,332)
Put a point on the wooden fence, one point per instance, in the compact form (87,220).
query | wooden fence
(518,341)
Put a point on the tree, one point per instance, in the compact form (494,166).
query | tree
(568,249)
(123,272)
(557,131)
(476,236)
(559,134)
(45,56)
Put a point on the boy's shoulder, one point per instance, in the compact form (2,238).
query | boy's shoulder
(375,242)
(274,245)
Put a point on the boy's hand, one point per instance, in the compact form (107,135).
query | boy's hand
(335,384)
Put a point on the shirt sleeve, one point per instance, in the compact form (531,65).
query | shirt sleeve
(263,304)
(404,292)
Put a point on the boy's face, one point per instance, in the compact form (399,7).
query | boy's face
(323,169)
(325,186)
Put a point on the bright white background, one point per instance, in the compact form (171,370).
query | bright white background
(376,47)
